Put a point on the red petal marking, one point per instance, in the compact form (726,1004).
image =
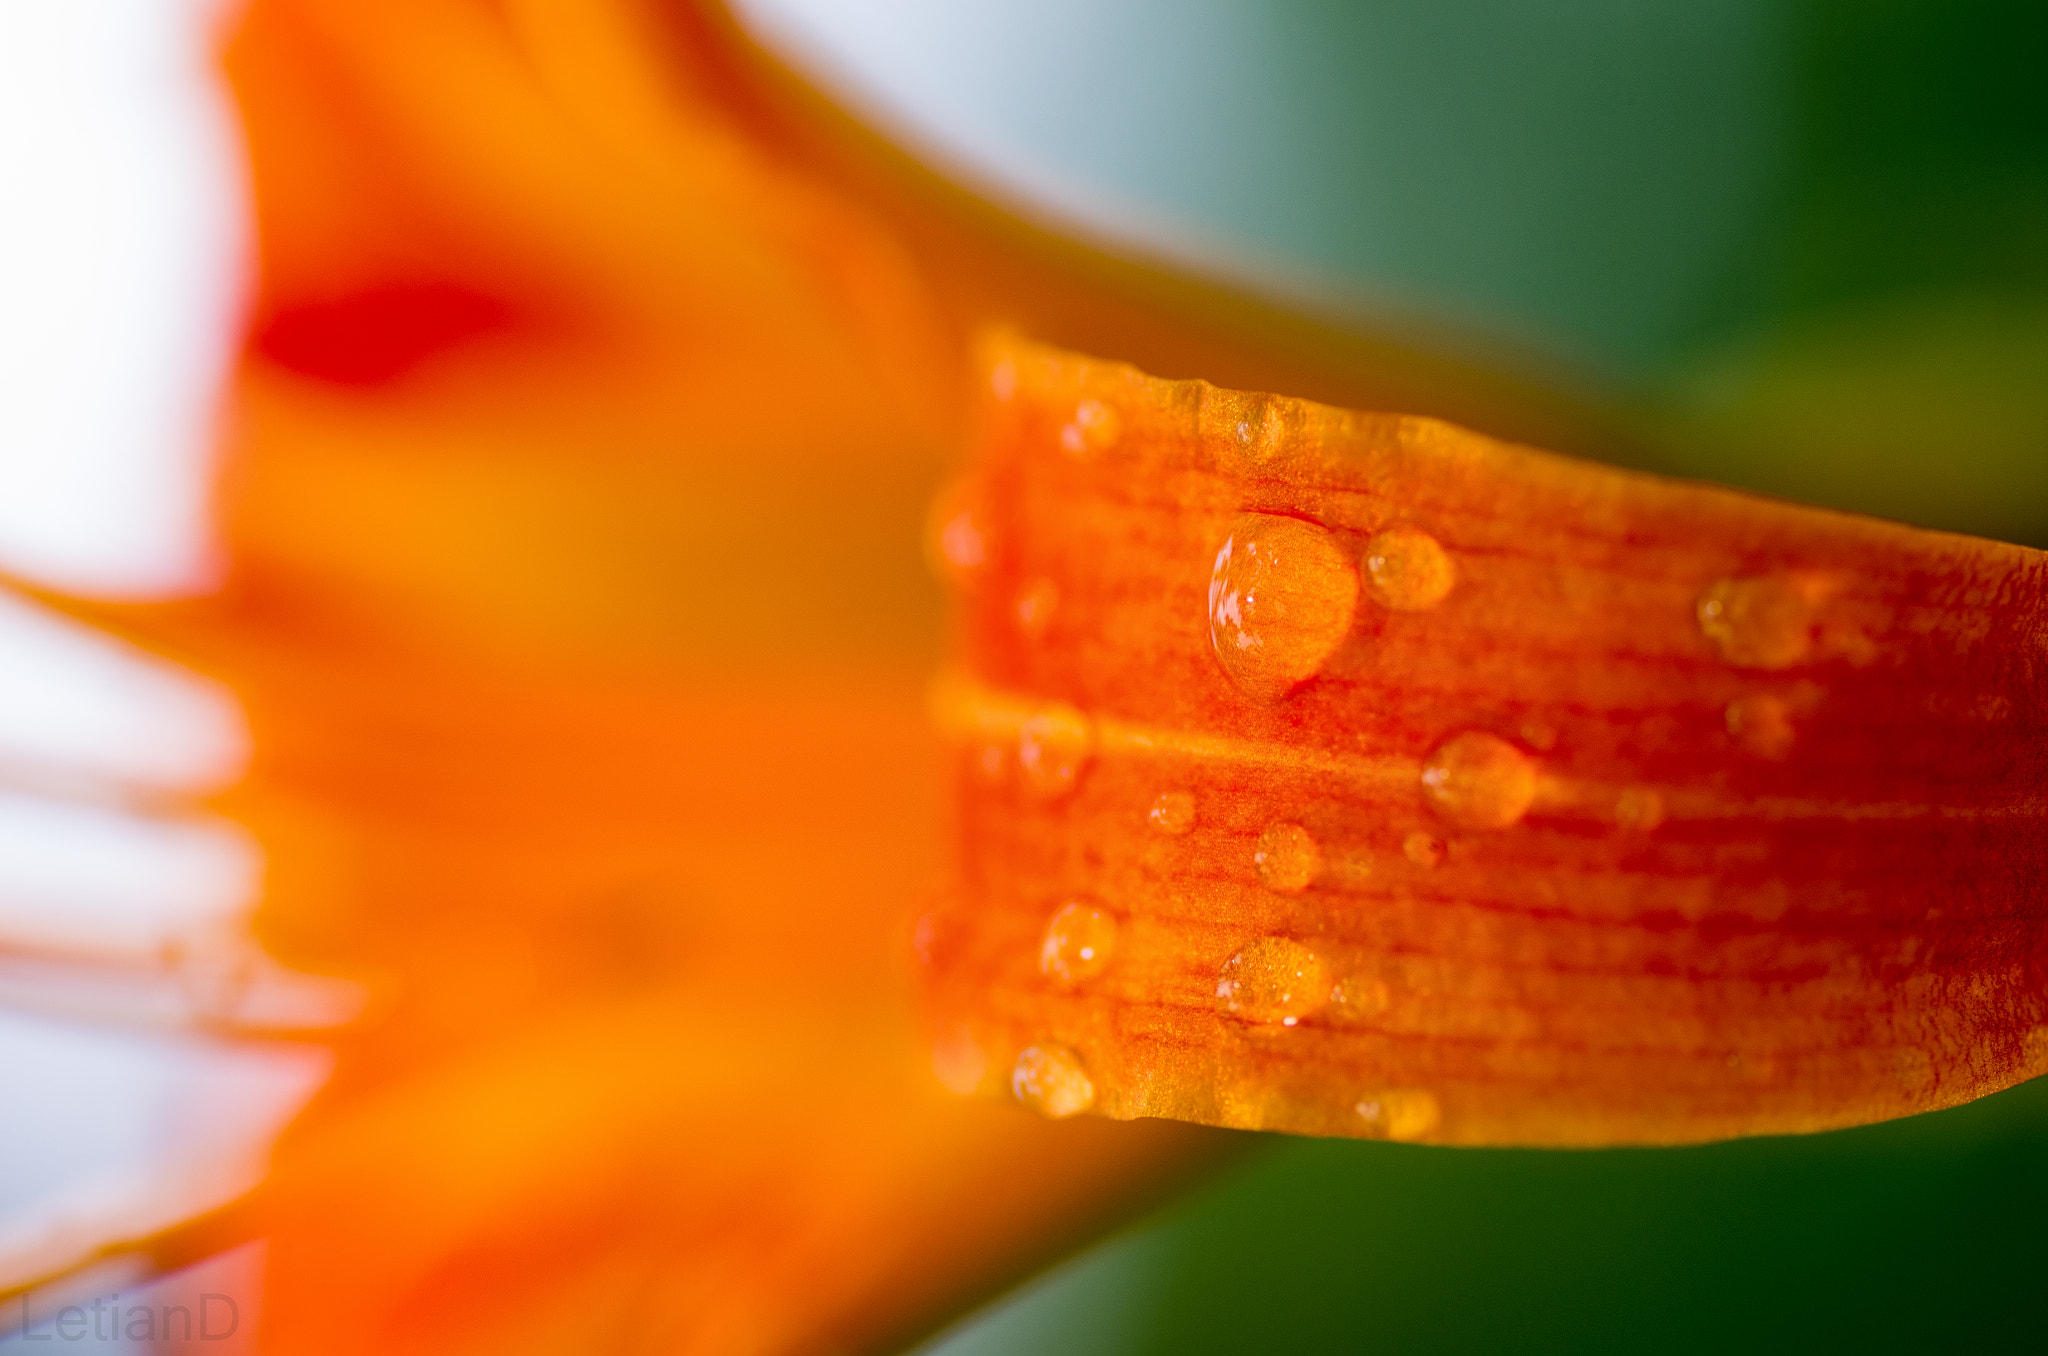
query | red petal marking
(379,334)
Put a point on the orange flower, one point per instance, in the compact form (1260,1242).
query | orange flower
(597,387)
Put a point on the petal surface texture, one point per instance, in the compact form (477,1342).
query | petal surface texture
(1605,810)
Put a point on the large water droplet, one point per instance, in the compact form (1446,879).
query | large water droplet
(1759,621)
(1054,748)
(1400,1113)
(1275,979)
(1408,570)
(1288,859)
(1479,780)
(1762,725)
(1094,428)
(1050,1080)
(1173,812)
(1281,600)
(1079,944)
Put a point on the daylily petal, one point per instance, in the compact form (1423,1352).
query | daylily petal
(1424,787)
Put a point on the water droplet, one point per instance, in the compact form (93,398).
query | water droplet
(959,1061)
(1243,430)
(1400,1113)
(1759,621)
(1288,859)
(1275,979)
(990,763)
(1480,780)
(1002,379)
(1054,748)
(1281,600)
(1408,570)
(1762,725)
(1050,1080)
(956,540)
(1638,809)
(1035,604)
(1361,996)
(1094,428)
(1173,812)
(1423,849)
(1079,943)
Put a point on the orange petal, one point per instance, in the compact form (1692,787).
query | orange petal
(1509,799)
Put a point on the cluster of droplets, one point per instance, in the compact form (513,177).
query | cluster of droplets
(1284,594)
(1283,599)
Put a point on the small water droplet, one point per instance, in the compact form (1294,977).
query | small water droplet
(1361,996)
(1173,812)
(1002,379)
(1480,780)
(1079,944)
(956,541)
(1274,980)
(1035,605)
(1050,1080)
(1638,809)
(1759,621)
(1281,600)
(1054,747)
(959,1061)
(1400,1114)
(1762,725)
(1423,849)
(1288,859)
(990,763)
(1409,571)
(1094,428)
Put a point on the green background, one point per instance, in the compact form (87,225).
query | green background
(1804,247)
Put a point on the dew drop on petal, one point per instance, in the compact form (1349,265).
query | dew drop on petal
(956,540)
(1054,747)
(1050,1080)
(1094,428)
(1479,780)
(1639,809)
(1408,571)
(1172,813)
(1400,1114)
(1423,849)
(1273,980)
(1762,725)
(1288,859)
(1035,604)
(1360,996)
(1079,943)
(1282,598)
(1758,621)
